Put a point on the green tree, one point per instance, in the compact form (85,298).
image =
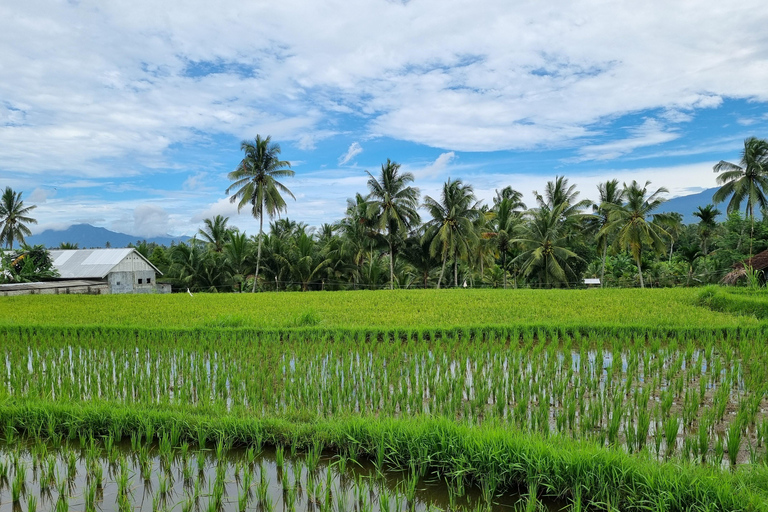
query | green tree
(14,217)
(707,225)
(215,232)
(393,206)
(544,241)
(610,195)
(630,222)
(238,251)
(451,229)
(746,181)
(255,184)
(505,217)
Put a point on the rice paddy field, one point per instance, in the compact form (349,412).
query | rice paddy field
(386,401)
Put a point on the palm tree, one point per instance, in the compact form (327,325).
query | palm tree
(631,225)
(13,218)
(707,224)
(393,204)
(215,232)
(255,183)
(749,181)
(505,217)
(544,239)
(610,194)
(238,251)
(451,229)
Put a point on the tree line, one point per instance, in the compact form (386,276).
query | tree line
(382,242)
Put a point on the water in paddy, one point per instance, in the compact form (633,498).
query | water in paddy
(153,478)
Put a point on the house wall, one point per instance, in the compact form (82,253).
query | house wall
(128,281)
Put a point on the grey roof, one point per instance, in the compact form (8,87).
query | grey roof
(90,263)
(47,285)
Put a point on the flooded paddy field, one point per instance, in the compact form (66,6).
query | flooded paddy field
(362,420)
(102,475)
(697,399)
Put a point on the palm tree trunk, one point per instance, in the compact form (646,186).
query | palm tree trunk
(455,272)
(504,267)
(442,270)
(602,270)
(258,254)
(752,229)
(391,267)
(640,272)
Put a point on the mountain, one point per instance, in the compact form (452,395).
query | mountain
(87,236)
(686,205)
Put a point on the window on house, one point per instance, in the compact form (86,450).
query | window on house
(140,281)
(149,280)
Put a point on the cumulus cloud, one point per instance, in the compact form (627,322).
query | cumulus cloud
(354,149)
(150,220)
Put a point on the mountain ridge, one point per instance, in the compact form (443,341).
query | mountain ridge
(87,236)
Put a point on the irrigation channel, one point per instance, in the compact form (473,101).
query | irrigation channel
(138,476)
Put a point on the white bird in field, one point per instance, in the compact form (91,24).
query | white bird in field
(190,293)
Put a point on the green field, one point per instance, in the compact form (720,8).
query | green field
(399,309)
(635,399)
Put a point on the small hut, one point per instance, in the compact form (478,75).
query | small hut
(757,262)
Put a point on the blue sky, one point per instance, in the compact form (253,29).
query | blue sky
(129,115)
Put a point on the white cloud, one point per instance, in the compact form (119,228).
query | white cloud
(650,133)
(354,149)
(436,168)
(40,196)
(149,220)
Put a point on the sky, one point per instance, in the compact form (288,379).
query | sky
(129,115)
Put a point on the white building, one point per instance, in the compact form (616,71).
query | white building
(122,270)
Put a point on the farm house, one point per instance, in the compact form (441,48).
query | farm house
(122,270)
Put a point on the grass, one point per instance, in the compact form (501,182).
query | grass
(678,307)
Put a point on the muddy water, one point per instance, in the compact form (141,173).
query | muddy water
(67,479)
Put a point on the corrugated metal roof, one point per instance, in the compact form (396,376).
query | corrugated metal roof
(90,263)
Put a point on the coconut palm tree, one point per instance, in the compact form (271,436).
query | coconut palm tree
(451,229)
(610,194)
(14,217)
(634,223)
(544,241)
(505,217)
(393,206)
(215,232)
(255,184)
(707,224)
(746,181)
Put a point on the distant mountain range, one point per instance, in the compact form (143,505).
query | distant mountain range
(88,237)
(686,205)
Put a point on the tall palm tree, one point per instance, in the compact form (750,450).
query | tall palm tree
(451,229)
(255,183)
(13,218)
(505,217)
(749,181)
(632,225)
(610,194)
(394,205)
(544,241)
(707,224)
(215,232)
